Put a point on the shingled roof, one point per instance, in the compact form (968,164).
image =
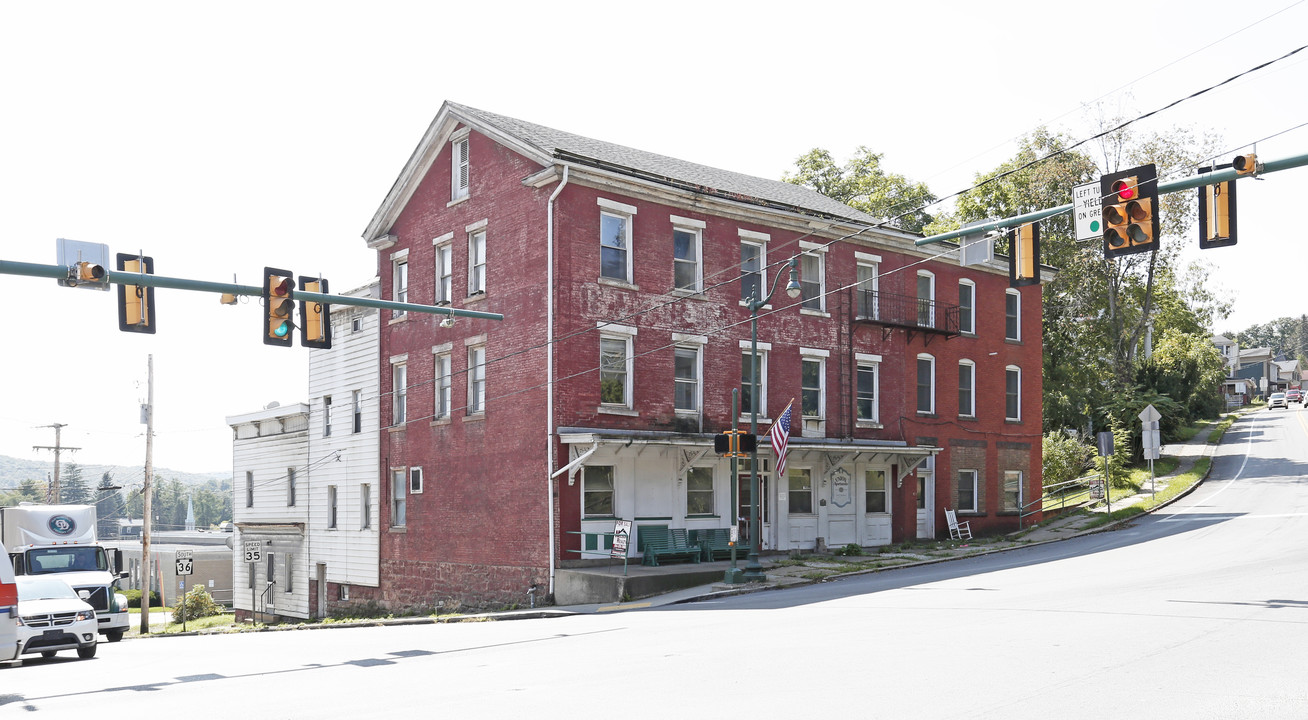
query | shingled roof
(565,146)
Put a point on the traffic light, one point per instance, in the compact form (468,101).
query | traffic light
(1024,255)
(1217,212)
(315,317)
(1245,164)
(1130,210)
(135,302)
(279,306)
(734,443)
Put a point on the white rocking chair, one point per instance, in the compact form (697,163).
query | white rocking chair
(958,530)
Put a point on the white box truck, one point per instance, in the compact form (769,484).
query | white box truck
(59,540)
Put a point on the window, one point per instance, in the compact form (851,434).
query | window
(477,262)
(759,365)
(476,379)
(400,394)
(867,286)
(415,480)
(967,491)
(699,491)
(615,240)
(399,281)
(966,307)
(290,573)
(1012,490)
(615,371)
(686,247)
(331,507)
(365,506)
(926,299)
(751,270)
(966,388)
(801,491)
(444,380)
(926,384)
(686,379)
(269,572)
(290,487)
(865,400)
(812,385)
(812,282)
(251,574)
(874,484)
(249,488)
(597,491)
(459,179)
(1012,315)
(444,273)
(1012,393)
(356,404)
(398,497)
(326,415)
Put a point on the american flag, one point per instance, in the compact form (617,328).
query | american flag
(780,436)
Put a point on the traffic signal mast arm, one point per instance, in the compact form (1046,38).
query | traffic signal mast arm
(1194,181)
(9,267)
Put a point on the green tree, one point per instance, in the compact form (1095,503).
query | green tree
(109,506)
(864,185)
(72,487)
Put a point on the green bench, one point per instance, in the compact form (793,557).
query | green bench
(661,543)
(715,544)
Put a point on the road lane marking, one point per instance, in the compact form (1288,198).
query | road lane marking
(1194,517)
(1248,448)
(628,606)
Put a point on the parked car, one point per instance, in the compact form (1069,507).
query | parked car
(1294,395)
(1277,400)
(52,617)
(8,610)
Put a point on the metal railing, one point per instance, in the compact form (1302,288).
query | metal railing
(906,311)
(1059,496)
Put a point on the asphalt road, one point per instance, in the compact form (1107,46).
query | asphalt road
(1197,611)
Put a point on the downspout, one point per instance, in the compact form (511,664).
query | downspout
(549,368)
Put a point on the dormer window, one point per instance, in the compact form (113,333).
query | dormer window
(459,176)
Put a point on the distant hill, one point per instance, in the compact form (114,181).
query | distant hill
(14,470)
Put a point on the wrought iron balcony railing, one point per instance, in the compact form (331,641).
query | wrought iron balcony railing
(906,311)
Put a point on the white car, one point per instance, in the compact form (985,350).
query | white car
(1277,400)
(51,617)
(8,610)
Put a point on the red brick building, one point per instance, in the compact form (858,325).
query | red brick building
(508,447)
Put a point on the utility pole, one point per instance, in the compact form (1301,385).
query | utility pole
(146,574)
(57,448)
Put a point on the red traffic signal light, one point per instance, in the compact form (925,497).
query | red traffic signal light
(279,306)
(1129,206)
(135,302)
(315,316)
(1217,212)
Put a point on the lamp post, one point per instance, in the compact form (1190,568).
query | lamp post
(754,571)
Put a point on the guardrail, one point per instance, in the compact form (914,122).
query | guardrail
(601,551)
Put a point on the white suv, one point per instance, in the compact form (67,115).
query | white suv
(8,609)
(52,617)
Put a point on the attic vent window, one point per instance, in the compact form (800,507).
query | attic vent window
(459,180)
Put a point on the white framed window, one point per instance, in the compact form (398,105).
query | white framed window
(686,388)
(699,491)
(443,371)
(867,387)
(812,277)
(399,497)
(326,415)
(460,179)
(356,410)
(800,490)
(476,379)
(926,384)
(249,488)
(365,506)
(290,487)
(966,388)
(813,383)
(687,249)
(1012,315)
(597,491)
(926,298)
(444,269)
(748,402)
(967,491)
(615,240)
(876,495)
(331,507)
(753,265)
(290,573)
(1013,393)
(399,281)
(415,480)
(477,260)
(967,307)
(1012,501)
(868,271)
(399,392)
(615,370)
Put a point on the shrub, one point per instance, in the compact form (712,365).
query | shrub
(134,598)
(196,603)
(852,549)
(1066,457)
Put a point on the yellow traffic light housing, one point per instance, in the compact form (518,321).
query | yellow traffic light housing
(734,443)
(1217,212)
(315,316)
(1024,255)
(1245,164)
(279,307)
(136,311)
(1129,202)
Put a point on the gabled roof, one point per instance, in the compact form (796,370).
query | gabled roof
(1256,352)
(548,146)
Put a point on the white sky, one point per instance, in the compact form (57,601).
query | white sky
(223,137)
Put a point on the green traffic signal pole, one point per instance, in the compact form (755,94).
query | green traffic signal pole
(59,272)
(1194,181)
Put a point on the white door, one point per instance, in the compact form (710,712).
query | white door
(841,521)
(926,503)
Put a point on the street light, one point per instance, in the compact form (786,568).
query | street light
(754,571)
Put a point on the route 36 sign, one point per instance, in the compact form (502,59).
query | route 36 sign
(185,562)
